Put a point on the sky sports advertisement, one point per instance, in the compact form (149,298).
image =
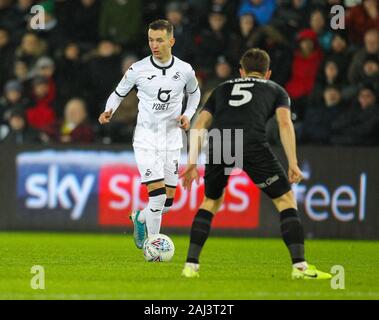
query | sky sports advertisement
(98,189)
(58,186)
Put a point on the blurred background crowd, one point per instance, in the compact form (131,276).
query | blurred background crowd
(54,82)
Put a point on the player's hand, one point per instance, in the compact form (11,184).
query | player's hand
(105,117)
(294,174)
(184,122)
(190,173)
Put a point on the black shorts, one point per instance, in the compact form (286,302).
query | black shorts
(260,164)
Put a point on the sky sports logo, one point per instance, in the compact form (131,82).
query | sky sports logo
(52,187)
(105,186)
(59,183)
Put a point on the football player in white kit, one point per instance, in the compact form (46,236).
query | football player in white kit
(161,81)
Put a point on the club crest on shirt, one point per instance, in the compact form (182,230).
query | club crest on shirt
(176,76)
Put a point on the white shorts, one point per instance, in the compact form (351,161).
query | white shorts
(158,165)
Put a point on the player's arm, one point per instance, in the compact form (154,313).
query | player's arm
(196,140)
(200,127)
(193,91)
(288,139)
(114,100)
(197,136)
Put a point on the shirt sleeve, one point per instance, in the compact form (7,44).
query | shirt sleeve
(193,91)
(126,84)
(191,82)
(282,98)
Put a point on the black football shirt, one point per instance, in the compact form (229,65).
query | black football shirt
(246,103)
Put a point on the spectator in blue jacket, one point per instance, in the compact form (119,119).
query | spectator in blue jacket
(262,10)
(319,24)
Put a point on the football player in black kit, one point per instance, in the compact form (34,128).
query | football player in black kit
(247,103)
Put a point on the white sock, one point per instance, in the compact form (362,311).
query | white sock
(152,214)
(153,222)
(142,216)
(301,265)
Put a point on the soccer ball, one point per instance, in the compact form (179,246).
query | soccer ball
(158,248)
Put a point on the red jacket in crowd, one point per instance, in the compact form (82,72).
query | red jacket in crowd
(304,69)
(42,114)
(358,22)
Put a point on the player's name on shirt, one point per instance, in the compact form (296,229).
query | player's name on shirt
(246,80)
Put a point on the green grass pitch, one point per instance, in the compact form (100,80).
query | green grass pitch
(108,266)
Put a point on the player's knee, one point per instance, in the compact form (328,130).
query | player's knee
(212,205)
(155,185)
(170,192)
(286,201)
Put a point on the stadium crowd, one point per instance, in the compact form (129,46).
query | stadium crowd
(54,82)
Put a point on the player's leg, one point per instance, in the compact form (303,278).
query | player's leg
(290,225)
(215,181)
(293,236)
(148,221)
(170,194)
(153,212)
(171,174)
(201,226)
(267,173)
(270,177)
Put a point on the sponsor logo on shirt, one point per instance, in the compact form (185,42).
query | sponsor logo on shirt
(164,95)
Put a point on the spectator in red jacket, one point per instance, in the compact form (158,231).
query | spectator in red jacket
(42,114)
(362,18)
(74,128)
(305,65)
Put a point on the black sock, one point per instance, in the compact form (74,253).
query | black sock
(169,202)
(168,205)
(293,234)
(201,227)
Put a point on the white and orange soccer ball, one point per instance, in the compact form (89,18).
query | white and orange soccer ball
(158,248)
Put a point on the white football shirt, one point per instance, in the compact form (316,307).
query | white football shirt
(160,90)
